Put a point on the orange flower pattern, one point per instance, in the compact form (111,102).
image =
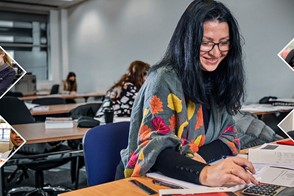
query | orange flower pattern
(173,122)
(199,119)
(155,105)
(144,133)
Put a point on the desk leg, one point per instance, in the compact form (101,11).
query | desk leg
(86,99)
(78,169)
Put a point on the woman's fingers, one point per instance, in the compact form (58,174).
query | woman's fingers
(244,169)
(241,173)
(231,170)
(245,163)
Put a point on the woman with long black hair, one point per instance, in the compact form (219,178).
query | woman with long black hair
(182,116)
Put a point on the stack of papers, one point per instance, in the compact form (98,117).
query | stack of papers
(274,163)
(273,154)
(55,122)
(190,188)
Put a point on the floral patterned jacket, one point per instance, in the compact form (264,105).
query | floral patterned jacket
(162,118)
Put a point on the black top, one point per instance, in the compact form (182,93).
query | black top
(7,75)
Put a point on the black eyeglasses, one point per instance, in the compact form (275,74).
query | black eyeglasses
(207,46)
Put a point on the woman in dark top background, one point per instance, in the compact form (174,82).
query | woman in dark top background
(70,85)
(182,116)
(7,73)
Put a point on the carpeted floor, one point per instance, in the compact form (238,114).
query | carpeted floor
(60,176)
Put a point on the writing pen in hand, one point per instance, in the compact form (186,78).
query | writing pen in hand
(173,186)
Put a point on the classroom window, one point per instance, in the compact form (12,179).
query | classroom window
(26,37)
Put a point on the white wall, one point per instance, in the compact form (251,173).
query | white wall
(105,36)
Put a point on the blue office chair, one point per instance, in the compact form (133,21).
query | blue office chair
(102,146)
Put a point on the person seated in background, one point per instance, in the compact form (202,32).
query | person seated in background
(122,94)
(16,140)
(70,84)
(182,116)
(7,73)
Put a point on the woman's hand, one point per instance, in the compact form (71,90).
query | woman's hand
(230,170)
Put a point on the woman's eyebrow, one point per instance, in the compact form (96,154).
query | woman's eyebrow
(211,39)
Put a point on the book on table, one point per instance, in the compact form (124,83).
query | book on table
(57,122)
(273,154)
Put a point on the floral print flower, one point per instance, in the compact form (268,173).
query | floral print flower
(229,129)
(155,105)
(173,122)
(133,160)
(144,132)
(159,125)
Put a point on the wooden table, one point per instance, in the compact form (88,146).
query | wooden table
(119,187)
(54,109)
(36,133)
(65,96)
(123,187)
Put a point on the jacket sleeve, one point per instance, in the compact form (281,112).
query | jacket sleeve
(171,163)
(7,80)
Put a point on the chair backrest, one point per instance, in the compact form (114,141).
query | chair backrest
(14,94)
(102,146)
(49,101)
(14,111)
(54,89)
(89,109)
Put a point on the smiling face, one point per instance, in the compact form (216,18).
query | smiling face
(216,32)
(15,139)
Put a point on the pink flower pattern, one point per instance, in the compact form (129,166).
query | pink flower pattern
(159,126)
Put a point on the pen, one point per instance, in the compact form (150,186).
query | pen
(143,187)
(245,167)
(173,186)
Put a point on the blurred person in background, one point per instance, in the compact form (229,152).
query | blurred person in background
(7,73)
(120,97)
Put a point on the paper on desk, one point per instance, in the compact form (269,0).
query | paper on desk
(263,108)
(277,176)
(273,154)
(194,188)
(40,108)
(163,192)
(31,105)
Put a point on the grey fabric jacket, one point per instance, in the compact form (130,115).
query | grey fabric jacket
(252,131)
